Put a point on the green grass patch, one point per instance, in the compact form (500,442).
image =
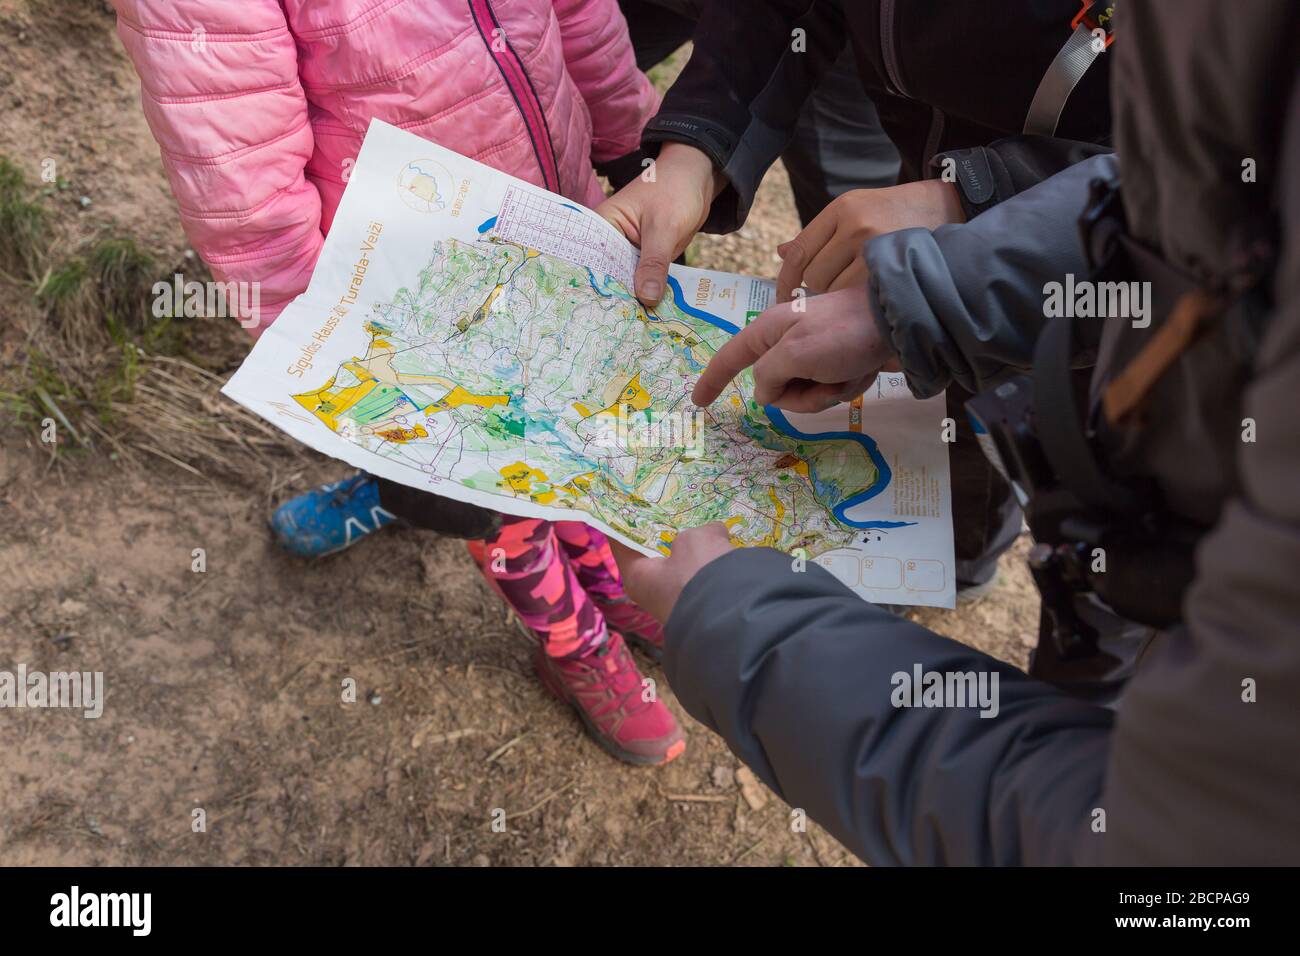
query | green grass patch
(93,314)
(25,231)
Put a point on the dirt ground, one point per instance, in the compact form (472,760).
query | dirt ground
(223,687)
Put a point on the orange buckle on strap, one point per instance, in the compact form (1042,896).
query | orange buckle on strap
(1097,15)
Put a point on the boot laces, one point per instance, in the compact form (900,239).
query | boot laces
(611,672)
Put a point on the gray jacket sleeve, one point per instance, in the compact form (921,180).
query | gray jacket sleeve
(965,303)
(797,674)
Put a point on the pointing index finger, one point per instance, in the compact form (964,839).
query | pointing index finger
(744,349)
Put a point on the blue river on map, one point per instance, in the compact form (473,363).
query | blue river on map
(777,417)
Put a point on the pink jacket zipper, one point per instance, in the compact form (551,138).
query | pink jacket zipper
(521,88)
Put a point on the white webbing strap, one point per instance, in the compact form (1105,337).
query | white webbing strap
(1060,80)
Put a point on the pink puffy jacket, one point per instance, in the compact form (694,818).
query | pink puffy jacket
(260,107)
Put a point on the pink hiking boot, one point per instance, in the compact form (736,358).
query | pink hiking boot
(634,623)
(605,689)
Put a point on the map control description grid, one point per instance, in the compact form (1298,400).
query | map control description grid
(561,230)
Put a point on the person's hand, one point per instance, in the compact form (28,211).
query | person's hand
(656,583)
(663,216)
(827,255)
(807,355)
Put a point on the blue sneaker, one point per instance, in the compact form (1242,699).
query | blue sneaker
(331,517)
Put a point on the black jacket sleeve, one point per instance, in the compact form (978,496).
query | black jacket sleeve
(739,97)
(942,76)
(988,175)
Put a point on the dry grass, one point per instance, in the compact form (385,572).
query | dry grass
(178,414)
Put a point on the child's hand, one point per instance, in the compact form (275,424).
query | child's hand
(656,583)
(827,255)
(807,355)
(662,215)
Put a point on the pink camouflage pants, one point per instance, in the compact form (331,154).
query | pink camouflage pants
(549,572)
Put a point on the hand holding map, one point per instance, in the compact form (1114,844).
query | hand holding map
(474,336)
